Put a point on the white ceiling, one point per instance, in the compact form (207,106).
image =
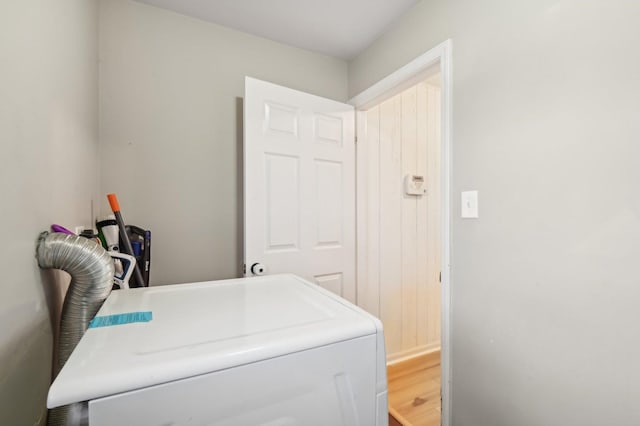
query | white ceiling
(340,28)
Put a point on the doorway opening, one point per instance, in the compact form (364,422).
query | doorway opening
(403,231)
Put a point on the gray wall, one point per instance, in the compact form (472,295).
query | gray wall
(170,105)
(546,283)
(49,174)
(422,27)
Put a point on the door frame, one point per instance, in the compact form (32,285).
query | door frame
(399,80)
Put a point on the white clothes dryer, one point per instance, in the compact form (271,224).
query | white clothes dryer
(272,351)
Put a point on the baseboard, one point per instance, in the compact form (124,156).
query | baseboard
(395,419)
(411,353)
(426,359)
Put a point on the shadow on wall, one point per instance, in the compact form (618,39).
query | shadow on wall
(240,183)
(27,361)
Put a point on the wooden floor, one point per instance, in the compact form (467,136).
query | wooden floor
(414,391)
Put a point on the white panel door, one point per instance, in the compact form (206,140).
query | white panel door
(299,186)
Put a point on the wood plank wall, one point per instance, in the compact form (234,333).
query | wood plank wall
(400,264)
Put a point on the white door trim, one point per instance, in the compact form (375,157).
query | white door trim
(405,77)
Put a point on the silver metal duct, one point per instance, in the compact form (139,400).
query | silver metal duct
(91,269)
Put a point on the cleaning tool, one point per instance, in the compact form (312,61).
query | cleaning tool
(126,249)
(61,229)
(108,233)
(124,267)
(141,244)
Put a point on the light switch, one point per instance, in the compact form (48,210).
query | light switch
(469,205)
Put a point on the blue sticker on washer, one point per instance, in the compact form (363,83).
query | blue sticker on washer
(119,319)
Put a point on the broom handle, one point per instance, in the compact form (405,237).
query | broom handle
(115,207)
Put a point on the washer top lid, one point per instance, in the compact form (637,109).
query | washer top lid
(201,328)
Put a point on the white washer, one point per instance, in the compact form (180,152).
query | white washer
(272,351)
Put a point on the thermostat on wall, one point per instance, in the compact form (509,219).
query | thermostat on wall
(415,185)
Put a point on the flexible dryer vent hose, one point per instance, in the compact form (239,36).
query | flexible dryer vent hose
(91,269)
